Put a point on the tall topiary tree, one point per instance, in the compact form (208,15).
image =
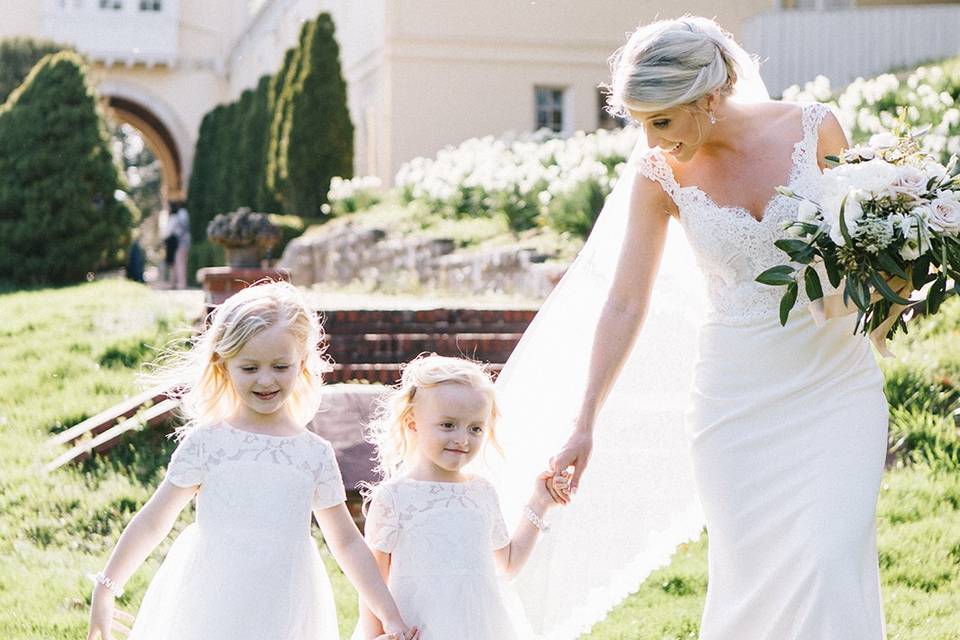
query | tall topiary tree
(199,198)
(312,136)
(60,215)
(17,57)
(281,91)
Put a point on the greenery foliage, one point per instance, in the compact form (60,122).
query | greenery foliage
(316,141)
(63,211)
(278,146)
(17,57)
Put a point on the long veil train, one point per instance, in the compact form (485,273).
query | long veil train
(637,501)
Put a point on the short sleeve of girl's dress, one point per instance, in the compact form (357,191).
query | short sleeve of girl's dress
(328,491)
(499,536)
(188,465)
(382,528)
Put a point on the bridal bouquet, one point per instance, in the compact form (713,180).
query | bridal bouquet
(888,224)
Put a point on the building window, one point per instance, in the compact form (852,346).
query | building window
(605,119)
(151,5)
(550,108)
(111,5)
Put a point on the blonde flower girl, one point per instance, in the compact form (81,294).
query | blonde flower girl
(436,531)
(248,568)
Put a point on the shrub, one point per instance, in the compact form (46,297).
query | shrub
(62,209)
(17,57)
(312,136)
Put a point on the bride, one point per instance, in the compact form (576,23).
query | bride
(785,426)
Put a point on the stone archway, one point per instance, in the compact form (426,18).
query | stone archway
(161,130)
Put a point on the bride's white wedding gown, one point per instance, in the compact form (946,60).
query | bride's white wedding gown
(788,428)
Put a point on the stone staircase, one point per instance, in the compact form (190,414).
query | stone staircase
(371,345)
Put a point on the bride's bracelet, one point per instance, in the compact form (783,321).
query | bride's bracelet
(112,587)
(536,520)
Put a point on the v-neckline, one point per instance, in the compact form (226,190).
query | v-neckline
(788,182)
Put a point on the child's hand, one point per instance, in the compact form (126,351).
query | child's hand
(105,618)
(548,484)
(410,634)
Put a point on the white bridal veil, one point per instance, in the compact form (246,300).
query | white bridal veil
(637,501)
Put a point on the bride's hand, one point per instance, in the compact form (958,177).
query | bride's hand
(575,453)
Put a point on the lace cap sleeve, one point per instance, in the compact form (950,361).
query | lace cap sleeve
(188,465)
(499,536)
(651,165)
(329,490)
(382,528)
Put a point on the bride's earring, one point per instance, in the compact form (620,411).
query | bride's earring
(713,118)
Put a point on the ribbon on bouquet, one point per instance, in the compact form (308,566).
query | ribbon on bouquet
(833,306)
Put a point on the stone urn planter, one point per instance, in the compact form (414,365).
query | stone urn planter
(245,236)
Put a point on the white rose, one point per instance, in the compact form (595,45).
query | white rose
(858,153)
(883,140)
(852,212)
(916,240)
(875,176)
(808,212)
(909,250)
(945,215)
(911,181)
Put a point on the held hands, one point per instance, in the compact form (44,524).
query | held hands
(575,453)
(547,485)
(105,618)
(412,634)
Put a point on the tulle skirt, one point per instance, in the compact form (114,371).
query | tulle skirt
(458,607)
(225,587)
(788,428)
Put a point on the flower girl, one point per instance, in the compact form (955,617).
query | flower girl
(437,532)
(248,568)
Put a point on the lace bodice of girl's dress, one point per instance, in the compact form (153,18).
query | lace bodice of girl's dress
(248,567)
(731,246)
(257,483)
(441,538)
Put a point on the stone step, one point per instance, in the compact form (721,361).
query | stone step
(429,321)
(378,373)
(387,347)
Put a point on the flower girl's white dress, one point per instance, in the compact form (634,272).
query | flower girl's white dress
(441,537)
(248,568)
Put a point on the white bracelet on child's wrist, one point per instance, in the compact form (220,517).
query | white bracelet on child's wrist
(112,587)
(536,520)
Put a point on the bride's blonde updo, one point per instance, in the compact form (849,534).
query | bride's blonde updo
(670,63)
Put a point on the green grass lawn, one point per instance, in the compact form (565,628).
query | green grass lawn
(68,353)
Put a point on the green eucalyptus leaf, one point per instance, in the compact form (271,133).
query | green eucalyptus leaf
(791,246)
(786,303)
(889,264)
(777,276)
(881,285)
(833,268)
(921,268)
(935,296)
(843,223)
(811,282)
(854,289)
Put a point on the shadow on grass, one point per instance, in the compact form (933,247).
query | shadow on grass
(141,455)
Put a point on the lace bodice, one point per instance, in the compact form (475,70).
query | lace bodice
(256,484)
(436,528)
(731,246)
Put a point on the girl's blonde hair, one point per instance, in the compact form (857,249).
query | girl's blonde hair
(669,63)
(388,432)
(199,374)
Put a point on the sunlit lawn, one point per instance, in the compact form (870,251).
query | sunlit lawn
(68,353)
